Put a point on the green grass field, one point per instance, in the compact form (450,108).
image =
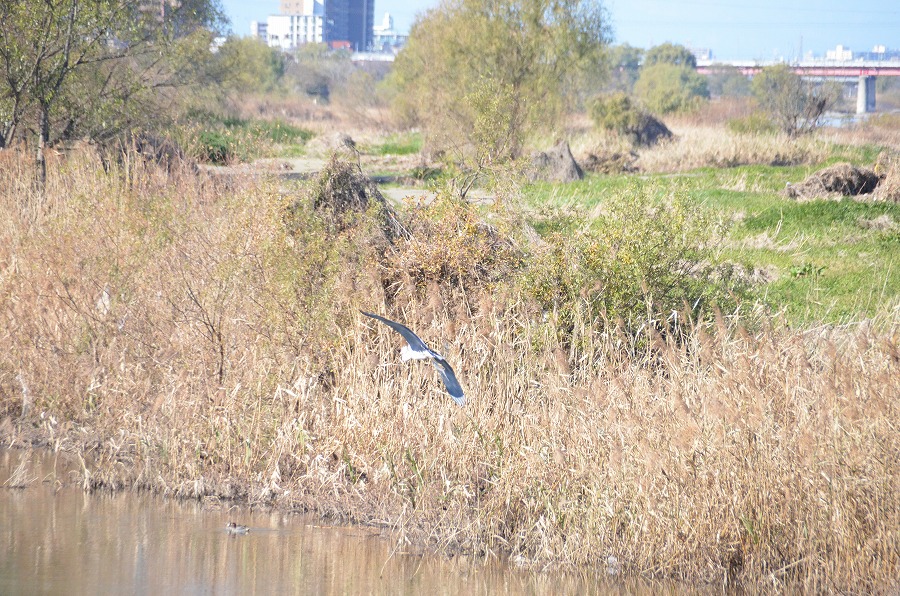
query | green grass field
(397,144)
(830,261)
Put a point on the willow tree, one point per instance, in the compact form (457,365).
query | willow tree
(480,75)
(91,68)
(794,104)
(669,81)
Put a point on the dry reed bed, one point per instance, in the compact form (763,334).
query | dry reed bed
(698,146)
(170,331)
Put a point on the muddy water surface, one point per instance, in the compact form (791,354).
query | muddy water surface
(57,539)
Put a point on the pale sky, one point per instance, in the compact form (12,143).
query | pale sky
(732,29)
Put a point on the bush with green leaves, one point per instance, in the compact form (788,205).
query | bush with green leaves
(249,65)
(624,63)
(642,256)
(666,88)
(219,139)
(617,113)
(215,147)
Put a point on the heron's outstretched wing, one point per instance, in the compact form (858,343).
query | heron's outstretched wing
(411,338)
(420,350)
(453,387)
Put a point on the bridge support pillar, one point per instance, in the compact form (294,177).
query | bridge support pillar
(865,95)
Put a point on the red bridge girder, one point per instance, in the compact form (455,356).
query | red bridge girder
(821,71)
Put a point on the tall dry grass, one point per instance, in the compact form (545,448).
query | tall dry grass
(709,146)
(880,130)
(175,332)
(698,146)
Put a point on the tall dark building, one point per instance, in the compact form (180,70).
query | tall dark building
(350,22)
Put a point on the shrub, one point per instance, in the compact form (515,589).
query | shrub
(425,173)
(450,243)
(666,89)
(796,105)
(223,139)
(726,80)
(617,113)
(342,192)
(640,257)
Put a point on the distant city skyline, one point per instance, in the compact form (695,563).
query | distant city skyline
(733,29)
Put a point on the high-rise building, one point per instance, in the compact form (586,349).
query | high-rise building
(349,22)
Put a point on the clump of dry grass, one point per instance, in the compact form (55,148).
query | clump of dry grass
(719,112)
(702,146)
(697,145)
(878,130)
(180,336)
(888,166)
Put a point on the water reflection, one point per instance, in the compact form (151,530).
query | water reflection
(54,538)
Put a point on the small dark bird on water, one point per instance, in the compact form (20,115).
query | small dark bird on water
(417,350)
(233,528)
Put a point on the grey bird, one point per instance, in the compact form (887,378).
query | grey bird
(417,350)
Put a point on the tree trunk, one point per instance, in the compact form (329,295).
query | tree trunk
(43,140)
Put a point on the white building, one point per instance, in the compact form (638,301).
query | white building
(385,37)
(289,31)
(839,54)
(386,27)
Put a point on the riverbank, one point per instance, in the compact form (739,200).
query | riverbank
(58,539)
(200,337)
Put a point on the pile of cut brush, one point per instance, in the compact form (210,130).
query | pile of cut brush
(839,180)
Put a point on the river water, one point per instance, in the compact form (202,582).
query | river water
(57,539)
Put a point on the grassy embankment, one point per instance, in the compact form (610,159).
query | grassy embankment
(818,261)
(201,338)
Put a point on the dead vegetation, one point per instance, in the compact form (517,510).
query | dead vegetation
(888,167)
(697,146)
(840,180)
(200,340)
(611,163)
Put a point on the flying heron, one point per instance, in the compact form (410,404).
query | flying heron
(417,350)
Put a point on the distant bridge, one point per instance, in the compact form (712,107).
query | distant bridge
(863,71)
